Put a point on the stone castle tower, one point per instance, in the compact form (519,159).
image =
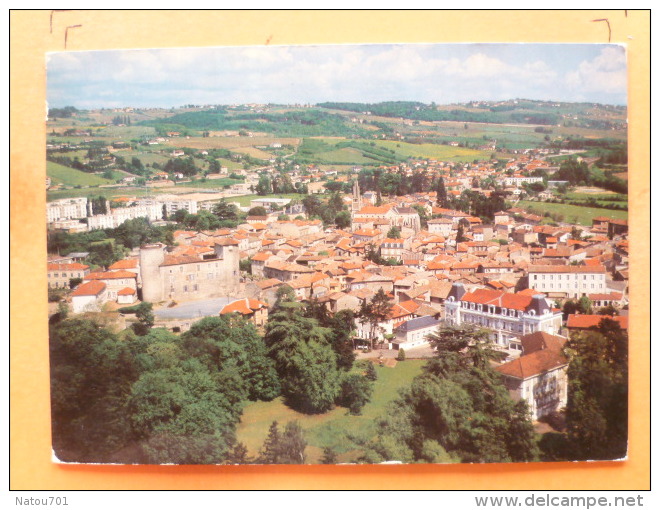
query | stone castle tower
(151,257)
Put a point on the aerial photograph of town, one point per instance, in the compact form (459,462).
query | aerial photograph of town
(350,254)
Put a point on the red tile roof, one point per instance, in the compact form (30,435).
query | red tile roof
(270,283)
(93,288)
(126,291)
(540,340)
(243,306)
(125,264)
(518,301)
(110,275)
(67,267)
(616,296)
(261,257)
(588,321)
(533,364)
(370,209)
(409,305)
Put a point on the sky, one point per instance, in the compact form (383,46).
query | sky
(440,73)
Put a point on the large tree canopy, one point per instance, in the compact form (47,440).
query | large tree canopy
(597,410)
(457,410)
(230,342)
(304,358)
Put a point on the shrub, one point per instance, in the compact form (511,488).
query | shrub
(371,373)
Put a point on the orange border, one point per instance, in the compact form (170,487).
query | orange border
(30,462)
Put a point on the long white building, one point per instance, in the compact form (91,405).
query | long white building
(567,281)
(152,210)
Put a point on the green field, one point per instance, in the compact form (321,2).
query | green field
(601,198)
(126,132)
(572,213)
(123,191)
(335,429)
(61,174)
(210,183)
(382,152)
(434,151)
(145,156)
(230,164)
(245,200)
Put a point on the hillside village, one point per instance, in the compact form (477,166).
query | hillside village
(431,243)
(511,275)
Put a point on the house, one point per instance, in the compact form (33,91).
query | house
(89,297)
(131,265)
(567,281)
(611,299)
(252,309)
(115,281)
(337,301)
(539,375)
(508,315)
(414,332)
(257,263)
(284,271)
(384,328)
(60,275)
(442,226)
(126,296)
(393,248)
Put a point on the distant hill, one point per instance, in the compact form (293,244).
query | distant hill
(301,122)
(519,111)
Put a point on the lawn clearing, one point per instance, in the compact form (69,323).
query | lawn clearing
(67,176)
(335,429)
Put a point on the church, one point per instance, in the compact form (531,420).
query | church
(383,216)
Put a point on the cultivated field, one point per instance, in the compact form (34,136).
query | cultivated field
(433,151)
(229,142)
(572,213)
(254,152)
(323,151)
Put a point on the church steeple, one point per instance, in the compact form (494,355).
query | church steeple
(357,198)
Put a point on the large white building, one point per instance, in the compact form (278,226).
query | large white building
(174,203)
(145,209)
(567,281)
(519,180)
(66,209)
(508,315)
